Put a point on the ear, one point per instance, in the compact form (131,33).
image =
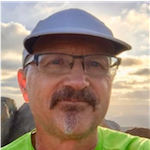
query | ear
(22,84)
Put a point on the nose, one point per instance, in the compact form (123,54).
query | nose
(77,78)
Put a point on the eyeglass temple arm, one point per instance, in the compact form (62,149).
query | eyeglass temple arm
(117,63)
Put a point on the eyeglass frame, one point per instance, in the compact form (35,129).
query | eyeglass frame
(34,58)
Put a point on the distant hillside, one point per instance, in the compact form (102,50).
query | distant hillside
(142,132)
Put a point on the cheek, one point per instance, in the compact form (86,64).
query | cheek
(103,86)
(40,87)
(106,83)
(103,90)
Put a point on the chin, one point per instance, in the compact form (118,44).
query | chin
(75,120)
(76,124)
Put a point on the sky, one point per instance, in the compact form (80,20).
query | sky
(129,21)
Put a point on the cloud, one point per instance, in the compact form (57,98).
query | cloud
(138,94)
(12,46)
(134,18)
(29,13)
(132,94)
(135,81)
(139,72)
(121,85)
(126,62)
(126,84)
(12,35)
(11,65)
(11,82)
(130,88)
(10,90)
(132,26)
(132,66)
(7,74)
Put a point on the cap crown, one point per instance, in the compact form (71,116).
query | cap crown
(73,21)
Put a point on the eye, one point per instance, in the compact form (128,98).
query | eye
(94,64)
(57,62)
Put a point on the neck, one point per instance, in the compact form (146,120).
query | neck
(42,140)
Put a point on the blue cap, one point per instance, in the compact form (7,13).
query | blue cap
(74,22)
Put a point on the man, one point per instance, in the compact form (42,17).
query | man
(69,63)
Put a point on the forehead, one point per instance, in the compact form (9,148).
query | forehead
(73,44)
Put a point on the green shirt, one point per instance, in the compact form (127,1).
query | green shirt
(107,140)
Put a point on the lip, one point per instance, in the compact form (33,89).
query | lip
(73,100)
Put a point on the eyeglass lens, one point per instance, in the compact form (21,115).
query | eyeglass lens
(62,63)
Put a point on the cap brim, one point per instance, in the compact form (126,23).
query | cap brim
(119,45)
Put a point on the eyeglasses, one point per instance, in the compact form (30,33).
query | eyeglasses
(58,63)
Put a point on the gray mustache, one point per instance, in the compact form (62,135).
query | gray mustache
(68,93)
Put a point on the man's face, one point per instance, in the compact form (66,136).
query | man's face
(74,116)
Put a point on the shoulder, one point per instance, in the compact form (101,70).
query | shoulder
(122,141)
(22,143)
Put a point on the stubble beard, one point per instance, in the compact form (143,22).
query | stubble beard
(71,118)
(70,122)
